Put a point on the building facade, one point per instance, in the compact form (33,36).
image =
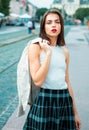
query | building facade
(21,7)
(84,3)
(18,6)
(70,6)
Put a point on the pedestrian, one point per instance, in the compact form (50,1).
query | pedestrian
(88,24)
(33,25)
(54,107)
(1,22)
(29,24)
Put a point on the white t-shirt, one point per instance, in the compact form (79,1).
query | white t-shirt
(29,24)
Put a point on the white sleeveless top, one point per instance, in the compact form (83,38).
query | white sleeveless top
(55,78)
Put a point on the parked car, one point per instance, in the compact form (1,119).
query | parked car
(10,23)
(77,21)
(20,24)
(14,23)
(69,22)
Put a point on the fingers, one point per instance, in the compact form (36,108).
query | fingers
(78,125)
(44,43)
(78,122)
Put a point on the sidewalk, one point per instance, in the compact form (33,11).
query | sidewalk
(9,29)
(16,123)
(6,30)
(15,40)
(77,41)
(78,35)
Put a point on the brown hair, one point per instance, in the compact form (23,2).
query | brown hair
(43,35)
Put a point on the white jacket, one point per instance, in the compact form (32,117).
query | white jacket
(24,82)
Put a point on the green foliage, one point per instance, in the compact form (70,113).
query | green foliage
(87,17)
(4,6)
(40,12)
(0,5)
(57,9)
(81,13)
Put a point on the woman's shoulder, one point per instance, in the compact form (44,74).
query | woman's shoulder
(36,40)
(34,47)
(65,50)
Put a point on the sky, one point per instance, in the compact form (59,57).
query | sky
(41,3)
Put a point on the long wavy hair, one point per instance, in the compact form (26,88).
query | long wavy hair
(43,35)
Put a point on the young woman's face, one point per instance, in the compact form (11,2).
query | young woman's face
(52,25)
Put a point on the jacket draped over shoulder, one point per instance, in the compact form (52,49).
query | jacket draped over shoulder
(25,85)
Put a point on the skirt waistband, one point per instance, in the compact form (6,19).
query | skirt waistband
(54,91)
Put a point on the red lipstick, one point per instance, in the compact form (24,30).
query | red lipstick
(54,30)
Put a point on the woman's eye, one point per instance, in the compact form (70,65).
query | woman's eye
(48,23)
(57,21)
(52,22)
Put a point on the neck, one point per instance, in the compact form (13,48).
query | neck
(53,41)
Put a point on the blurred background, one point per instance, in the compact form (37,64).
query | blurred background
(19,12)
(19,23)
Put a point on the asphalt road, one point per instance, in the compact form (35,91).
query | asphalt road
(79,77)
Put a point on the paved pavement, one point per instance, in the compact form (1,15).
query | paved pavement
(78,35)
(77,41)
(10,55)
(9,29)
(13,34)
(78,45)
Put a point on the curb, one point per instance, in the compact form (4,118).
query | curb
(13,40)
(14,122)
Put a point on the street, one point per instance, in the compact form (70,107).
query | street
(79,77)
(78,45)
(10,54)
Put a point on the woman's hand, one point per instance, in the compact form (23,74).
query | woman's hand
(78,122)
(44,44)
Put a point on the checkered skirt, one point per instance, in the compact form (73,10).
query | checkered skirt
(51,110)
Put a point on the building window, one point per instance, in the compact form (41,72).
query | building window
(84,1)
(70,0)
(57,1)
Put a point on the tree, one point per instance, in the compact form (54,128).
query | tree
(4,6)
(40,12)
(0,5)
(60,10)
(81,13)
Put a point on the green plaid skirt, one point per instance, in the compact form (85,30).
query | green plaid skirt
(51,110)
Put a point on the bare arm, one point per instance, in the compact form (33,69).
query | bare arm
(68,81)
(77,120)
(38,71)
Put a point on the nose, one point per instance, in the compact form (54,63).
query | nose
(53,24)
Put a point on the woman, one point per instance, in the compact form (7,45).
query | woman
(54,108)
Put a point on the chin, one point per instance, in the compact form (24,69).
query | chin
(54,35)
